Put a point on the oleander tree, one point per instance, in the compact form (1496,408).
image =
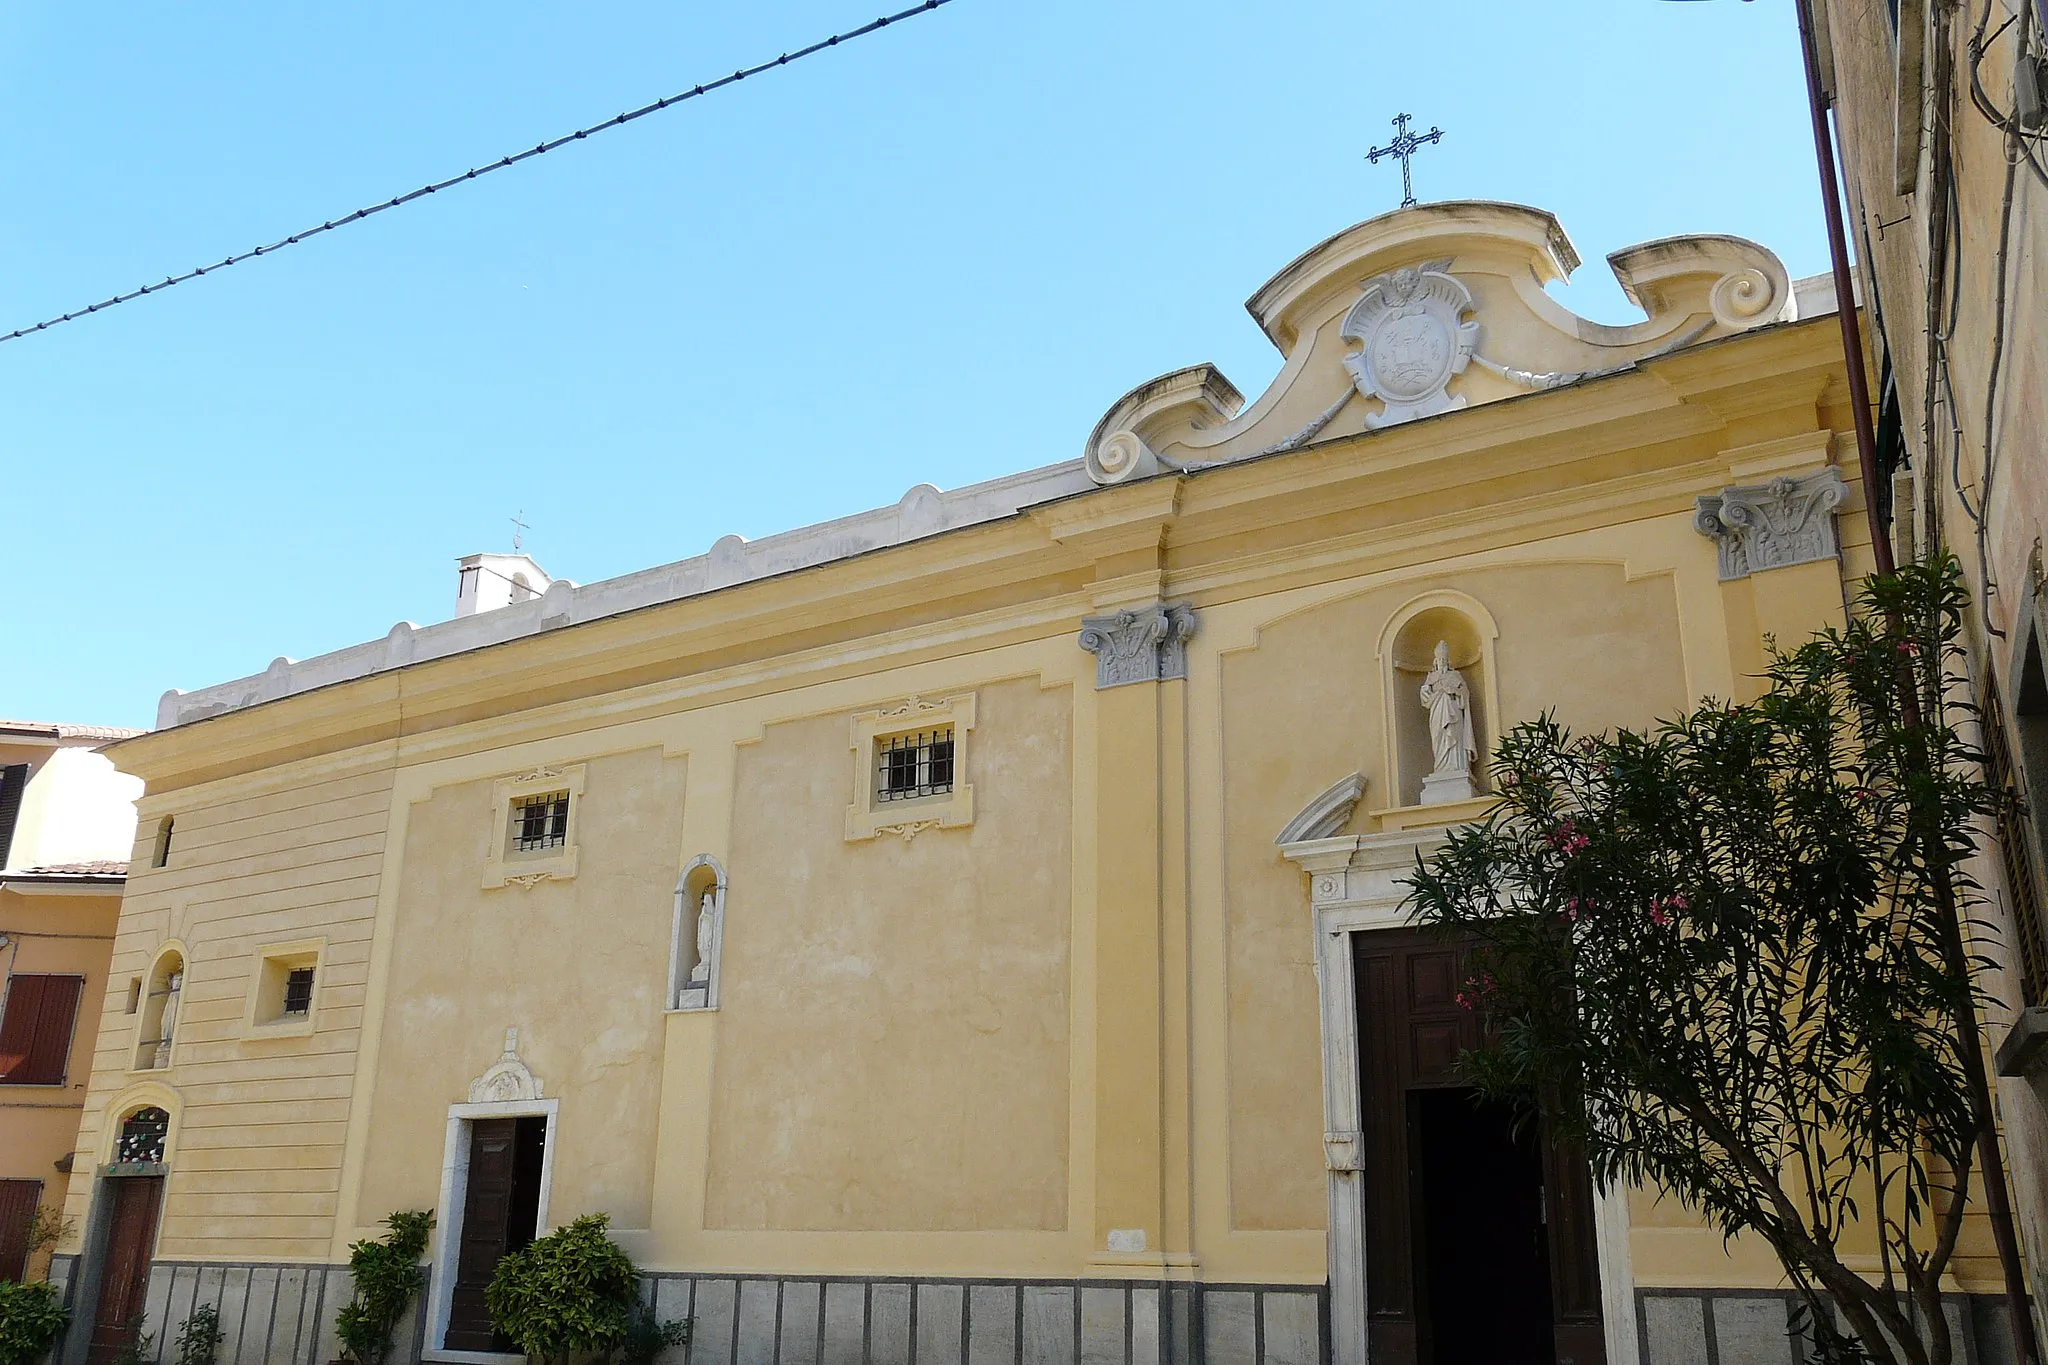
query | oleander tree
(1727,955)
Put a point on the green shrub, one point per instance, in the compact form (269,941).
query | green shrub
(568,1292)
(31,1316)
(141,1345)
(199,1338)
(647,1336)
(386,1273)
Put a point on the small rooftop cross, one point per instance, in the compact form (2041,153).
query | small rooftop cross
(1403,146)
(519,529)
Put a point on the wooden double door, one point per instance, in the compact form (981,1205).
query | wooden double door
(1479,1234)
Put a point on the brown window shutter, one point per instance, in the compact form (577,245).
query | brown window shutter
(18,1200)
(35,1032)
(13,782)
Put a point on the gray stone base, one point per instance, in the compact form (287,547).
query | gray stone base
(1753,1327)
(284,1315)
(799,1321)
(270,1314)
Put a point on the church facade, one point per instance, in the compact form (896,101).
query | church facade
(971,932)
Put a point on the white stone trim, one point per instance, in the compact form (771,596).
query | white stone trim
(503,865)
(447,1243)
(1355,885)
(682,941)
(868,818)
(922,511)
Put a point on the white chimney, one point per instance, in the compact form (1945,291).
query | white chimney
(490,581)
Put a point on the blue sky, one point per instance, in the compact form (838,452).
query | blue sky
(936,255)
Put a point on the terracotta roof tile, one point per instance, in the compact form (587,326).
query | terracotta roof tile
(104,867)
(55,730)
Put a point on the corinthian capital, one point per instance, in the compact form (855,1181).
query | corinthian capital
(1139,644)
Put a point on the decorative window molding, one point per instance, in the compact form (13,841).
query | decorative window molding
(1774,525)
(273,990)
(697,940)
(552,851)
(1139,644)
(874,811)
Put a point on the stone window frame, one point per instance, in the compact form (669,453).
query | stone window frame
(869,817)
(503,864)
(276,960)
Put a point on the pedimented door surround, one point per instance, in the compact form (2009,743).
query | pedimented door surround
(1355,886)
(506,1089)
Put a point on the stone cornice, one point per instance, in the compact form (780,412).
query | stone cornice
(1643,442)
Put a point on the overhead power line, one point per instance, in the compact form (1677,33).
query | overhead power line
(500,164)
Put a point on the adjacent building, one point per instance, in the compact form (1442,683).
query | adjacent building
(1942,115)
(970,932)
(66,821)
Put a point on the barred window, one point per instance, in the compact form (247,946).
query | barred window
(913,765)
(540,822)
(2018,852)
(142,1135)
(298,990)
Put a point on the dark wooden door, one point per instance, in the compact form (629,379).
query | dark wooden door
(1411,1030)
(124,1271)
(486,1222)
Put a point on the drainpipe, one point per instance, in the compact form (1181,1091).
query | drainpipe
(1845,293)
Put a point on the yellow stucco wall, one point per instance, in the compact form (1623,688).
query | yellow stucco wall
(65,935)
(1304,708)
(470,962)
(258,1123)
(984,1049)
(894,1048)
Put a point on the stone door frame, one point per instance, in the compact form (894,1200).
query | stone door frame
(1354,887)
(447,1244)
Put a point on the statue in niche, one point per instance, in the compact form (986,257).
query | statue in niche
(707,913)
(1452,745)
(167,1022)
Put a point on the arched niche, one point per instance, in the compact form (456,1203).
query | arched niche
(156,1022)
(141,1125)
(1406,646)
(697,936)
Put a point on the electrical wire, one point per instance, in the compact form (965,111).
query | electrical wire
(500,164)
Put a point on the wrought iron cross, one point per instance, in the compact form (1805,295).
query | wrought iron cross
(519,529)
(1403,146)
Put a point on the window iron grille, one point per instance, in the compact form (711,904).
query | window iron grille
(540,822)
(2017,851)
(142,1135)
(912,765)
(298,990)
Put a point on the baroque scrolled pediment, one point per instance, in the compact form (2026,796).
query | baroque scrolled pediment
(1424,311)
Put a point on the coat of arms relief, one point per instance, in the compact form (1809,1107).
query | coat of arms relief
(1413,340)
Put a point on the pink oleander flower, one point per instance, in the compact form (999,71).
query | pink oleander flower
(1571,909)
(1567,839)
(1657,915)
